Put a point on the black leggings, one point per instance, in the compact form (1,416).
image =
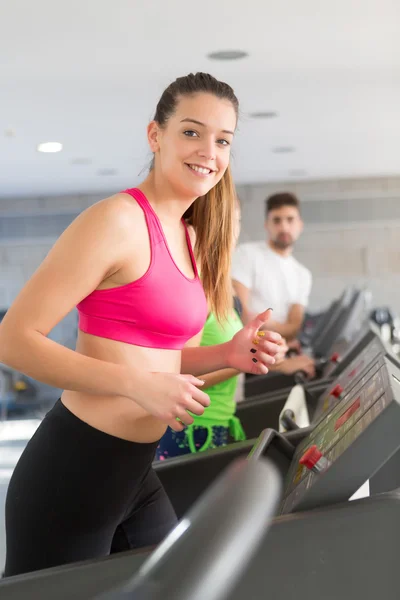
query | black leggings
(78,493)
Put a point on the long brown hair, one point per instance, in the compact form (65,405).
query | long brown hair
(212,215)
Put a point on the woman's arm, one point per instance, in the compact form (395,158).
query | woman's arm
(92,248)
(86,253)
(249,351)
(205,359)
(214,377)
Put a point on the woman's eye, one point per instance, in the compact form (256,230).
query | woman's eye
(191,133)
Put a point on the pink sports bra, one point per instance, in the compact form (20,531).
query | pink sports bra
(161,309)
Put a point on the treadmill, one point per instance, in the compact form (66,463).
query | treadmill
(345,324)
(188,564)
(184,478)
(330,317)
(320,545)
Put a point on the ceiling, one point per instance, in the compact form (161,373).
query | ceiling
(89,74)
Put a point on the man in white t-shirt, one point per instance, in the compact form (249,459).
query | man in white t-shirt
(265,274)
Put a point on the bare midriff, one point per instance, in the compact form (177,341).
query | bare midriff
(117,415)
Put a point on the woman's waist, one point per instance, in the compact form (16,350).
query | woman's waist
(115,415)
(118,415)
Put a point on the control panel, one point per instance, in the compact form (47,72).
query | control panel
(349,444)
(345,350)
(345,382)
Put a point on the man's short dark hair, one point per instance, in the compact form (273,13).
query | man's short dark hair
(281,199)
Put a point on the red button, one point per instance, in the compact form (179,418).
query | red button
(310,457)
(335,357)
(337,391)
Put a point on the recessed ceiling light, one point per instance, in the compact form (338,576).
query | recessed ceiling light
(107,172)
(81,161)
(283,149)
(9,132)
(50,147)
(227,55)
(266,114)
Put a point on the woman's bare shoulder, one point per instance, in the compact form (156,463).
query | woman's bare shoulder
(119,210)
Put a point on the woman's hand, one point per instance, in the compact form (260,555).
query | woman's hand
(252,350)
(283,349)
(169,396)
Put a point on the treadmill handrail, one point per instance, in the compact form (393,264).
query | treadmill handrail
(208,551)
(266,438)
(332,313)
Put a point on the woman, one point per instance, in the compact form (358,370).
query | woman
(84,486)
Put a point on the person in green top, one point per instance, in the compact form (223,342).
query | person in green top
(218,423)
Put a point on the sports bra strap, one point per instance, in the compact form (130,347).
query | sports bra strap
(153,223)
(189,245)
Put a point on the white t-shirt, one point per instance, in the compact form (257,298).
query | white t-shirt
(274,281)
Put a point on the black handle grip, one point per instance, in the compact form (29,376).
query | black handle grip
(288,420)
(301,377)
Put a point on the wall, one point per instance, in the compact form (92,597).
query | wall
(354,239)
(28,229)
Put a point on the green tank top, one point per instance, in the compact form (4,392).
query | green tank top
(222,395)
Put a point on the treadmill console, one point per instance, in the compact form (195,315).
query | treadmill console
(346,350)
(345,382)
(349,444)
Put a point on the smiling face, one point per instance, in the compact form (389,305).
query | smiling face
(192,150)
